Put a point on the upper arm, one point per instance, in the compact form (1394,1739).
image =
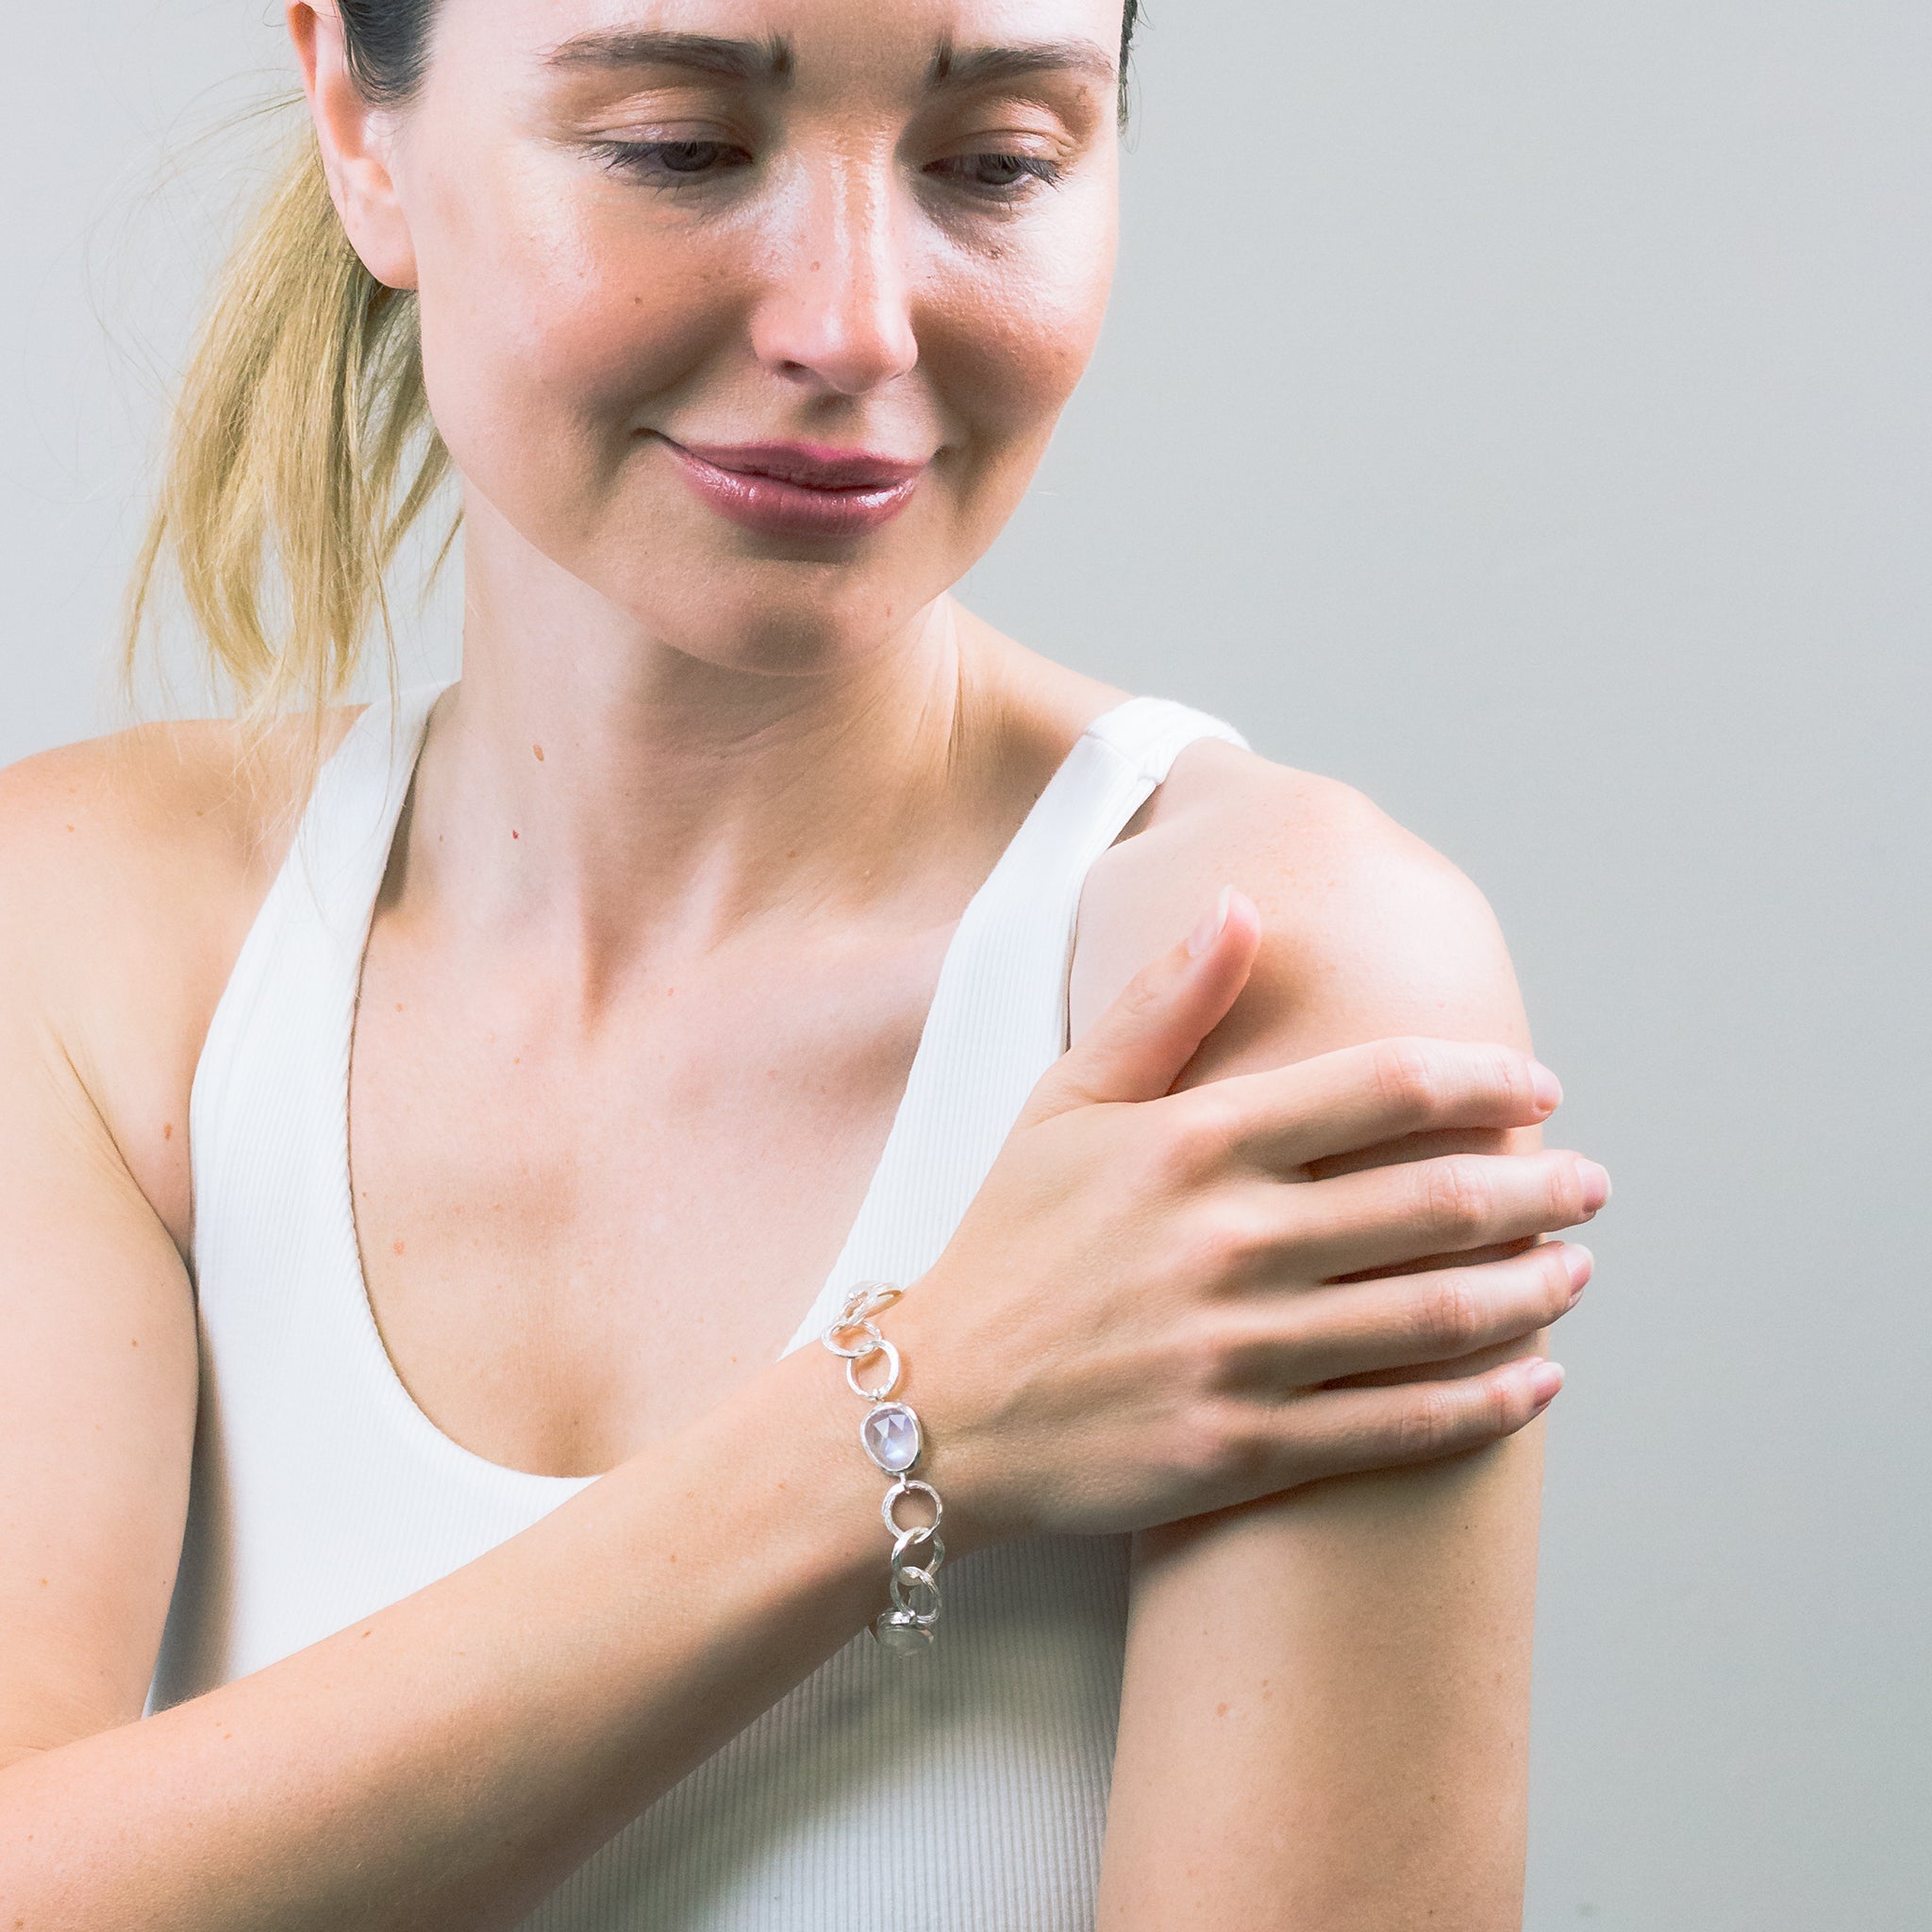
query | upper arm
(1326,1695)
(97,1371)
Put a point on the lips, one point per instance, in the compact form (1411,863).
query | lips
(798,489)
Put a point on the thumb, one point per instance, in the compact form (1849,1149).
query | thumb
(1137,1049)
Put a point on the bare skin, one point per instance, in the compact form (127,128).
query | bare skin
(576,1096)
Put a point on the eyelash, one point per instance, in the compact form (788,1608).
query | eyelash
(1029,172)
(651,161)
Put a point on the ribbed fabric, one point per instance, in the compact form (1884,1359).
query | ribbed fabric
(966,1792)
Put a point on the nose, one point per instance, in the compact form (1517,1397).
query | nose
(837,313)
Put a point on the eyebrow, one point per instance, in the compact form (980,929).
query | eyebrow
(772,60)
(750,60)
(953,68)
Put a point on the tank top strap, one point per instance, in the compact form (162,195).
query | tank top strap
(999,1015)
(1150,733)
(295,977)
(341,849)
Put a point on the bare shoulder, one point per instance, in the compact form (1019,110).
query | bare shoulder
(1368,930)
(108,809)
(131,866)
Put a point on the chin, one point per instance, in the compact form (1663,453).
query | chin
(781,619)
(763,604)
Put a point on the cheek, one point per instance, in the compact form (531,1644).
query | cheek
(549,318)
(1009,334)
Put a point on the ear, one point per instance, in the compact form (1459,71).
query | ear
(356,138)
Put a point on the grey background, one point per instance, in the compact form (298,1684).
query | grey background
(1522,411)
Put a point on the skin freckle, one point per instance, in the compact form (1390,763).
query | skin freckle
(168,1131)
(539,750)
(398,1246)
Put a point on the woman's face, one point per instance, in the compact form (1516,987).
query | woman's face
(756,315)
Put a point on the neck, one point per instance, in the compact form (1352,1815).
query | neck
(585,785)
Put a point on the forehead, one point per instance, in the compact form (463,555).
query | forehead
(813,40)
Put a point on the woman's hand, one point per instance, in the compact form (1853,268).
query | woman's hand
(1144,1313)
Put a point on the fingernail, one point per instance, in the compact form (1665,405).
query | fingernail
(1578,1262)
(1545,1379)
(1595,1182)
(1545,1088)
(1208,931)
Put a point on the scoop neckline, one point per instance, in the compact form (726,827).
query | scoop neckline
(405,753)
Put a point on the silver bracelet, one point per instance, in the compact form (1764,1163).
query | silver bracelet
(890,1435)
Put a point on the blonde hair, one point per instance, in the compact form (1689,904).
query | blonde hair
(300,455)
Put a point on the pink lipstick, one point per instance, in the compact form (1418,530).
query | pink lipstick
(798,489)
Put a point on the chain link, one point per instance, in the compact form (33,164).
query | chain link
(918,1549)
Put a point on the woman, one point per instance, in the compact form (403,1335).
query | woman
(704,952)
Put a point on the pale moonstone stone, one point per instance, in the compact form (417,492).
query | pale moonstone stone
(900,1637)
(890,1435)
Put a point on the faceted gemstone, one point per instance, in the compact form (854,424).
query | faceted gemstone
(900,1637)
(890,1435)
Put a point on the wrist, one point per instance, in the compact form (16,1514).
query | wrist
(958,1451)
(803,1499)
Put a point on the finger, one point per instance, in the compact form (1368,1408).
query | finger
(1463,1258)
(1344,1431)
(1136,1048)
(1417,1147)
(1364,1096)
(1274,1342)
(1387,1216)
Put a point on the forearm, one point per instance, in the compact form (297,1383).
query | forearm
(1328,1693)
(446,1762)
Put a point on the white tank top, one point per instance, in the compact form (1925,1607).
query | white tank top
(962,1792)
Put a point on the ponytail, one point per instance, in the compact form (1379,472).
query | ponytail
(300,455)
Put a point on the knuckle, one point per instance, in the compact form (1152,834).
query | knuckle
(1425,1425)
(1205,1363)
(1225,1246)
(1195,1138)
(1210,1126)
(1561,1193)
(1409,1079)
(1448,1317)
(1217,1447)
(1145,995)
(1505,1075)
(1567,1204)
(1502,1414)
(1454,1200)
